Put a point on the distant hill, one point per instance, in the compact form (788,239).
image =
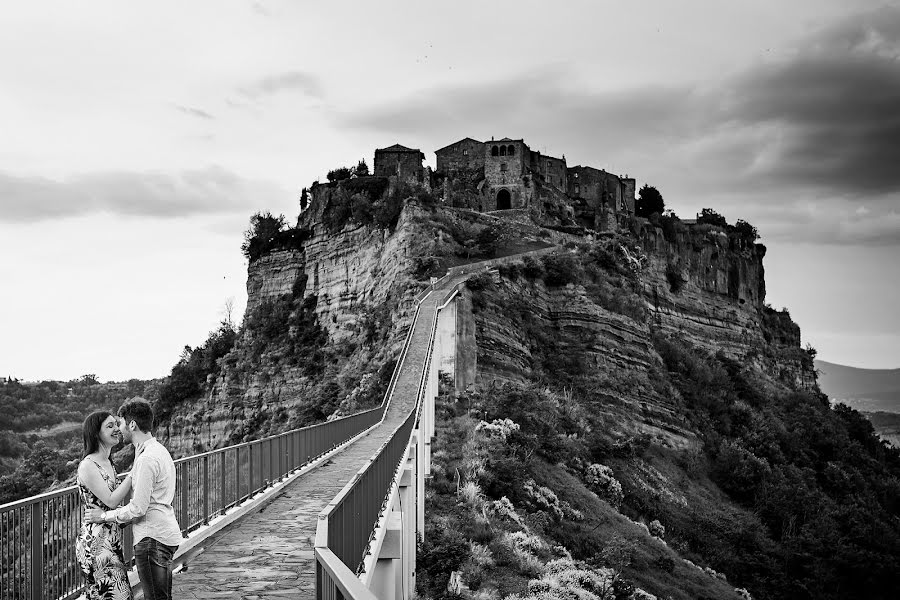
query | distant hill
(866,390)
(887,425)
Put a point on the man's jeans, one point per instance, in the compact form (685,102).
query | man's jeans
(154,564)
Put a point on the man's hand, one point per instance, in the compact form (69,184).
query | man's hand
(93,515)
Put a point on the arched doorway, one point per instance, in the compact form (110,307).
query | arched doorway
(504,201)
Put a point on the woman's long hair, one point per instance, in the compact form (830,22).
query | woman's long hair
(91,431)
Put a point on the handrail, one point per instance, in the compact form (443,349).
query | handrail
(37,534)
(362,501)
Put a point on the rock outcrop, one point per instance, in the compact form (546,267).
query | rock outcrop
(704,287)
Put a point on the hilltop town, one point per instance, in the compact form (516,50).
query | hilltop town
(507,174)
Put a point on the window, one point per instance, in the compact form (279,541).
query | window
(495,151)
(502,150)
(577,189)
(511,150)
(502,166)
(576,175)
(465,152)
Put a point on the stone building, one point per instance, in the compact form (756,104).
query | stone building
(507,170)
(401,162)
(506,173)
(467,153)
(600,198)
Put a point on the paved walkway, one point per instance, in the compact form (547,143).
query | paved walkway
(269,553)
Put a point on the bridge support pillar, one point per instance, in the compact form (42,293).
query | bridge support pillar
(406,492)
(387,579)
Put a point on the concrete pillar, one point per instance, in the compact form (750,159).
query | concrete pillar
(387,577)
(407,496)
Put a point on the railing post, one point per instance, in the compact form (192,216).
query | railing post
(222,480)
(186,523)
(237,475)
(250,470)
(206,490)
(37,550)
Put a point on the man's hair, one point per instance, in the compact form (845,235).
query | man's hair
(140,412)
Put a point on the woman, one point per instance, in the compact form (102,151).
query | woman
(99,546)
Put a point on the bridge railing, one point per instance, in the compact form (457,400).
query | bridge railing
(38,534)
(348,525)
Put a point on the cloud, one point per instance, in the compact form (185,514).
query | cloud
(290,81)
(804,140)
(834,105)
(549,103)
(194,112)
(209,191)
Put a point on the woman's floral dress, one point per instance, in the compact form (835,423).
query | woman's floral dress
(99,551)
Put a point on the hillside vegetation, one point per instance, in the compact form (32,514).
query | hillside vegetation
(40,428)
(554,485)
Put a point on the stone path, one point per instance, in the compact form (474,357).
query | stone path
(269,553)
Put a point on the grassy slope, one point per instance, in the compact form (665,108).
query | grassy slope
(778,535)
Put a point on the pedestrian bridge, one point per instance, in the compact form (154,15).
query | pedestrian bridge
(328,511)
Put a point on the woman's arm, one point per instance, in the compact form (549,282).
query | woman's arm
(89,474)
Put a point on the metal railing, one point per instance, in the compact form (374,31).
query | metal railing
(352,517)
(38,534)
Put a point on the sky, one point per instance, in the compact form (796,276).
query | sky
(137,139)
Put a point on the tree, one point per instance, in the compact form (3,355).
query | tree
(339,174)
(746,230)
(362,169)
(649,201)
(304,198)
(711,217)
(263,228)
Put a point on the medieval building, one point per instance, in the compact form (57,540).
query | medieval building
(511,175)
(401,162)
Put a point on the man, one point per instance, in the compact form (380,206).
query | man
(156,532)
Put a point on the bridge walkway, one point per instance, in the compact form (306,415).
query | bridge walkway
(269,553)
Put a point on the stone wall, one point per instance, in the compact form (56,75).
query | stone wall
(464,154)
(406,165)
(553,170)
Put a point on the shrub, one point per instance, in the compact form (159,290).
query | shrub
(601,481)
(747,231)
(708,216)
(532,267)
(339,174)
(373,187)
(674,277)
(657,529)
(561,269)
(262,231)
(480,282)
(387,212)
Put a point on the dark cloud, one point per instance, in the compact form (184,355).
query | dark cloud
(808,144)
(210,191)
(545,106)
(291,81)
(834,105)
(194,112)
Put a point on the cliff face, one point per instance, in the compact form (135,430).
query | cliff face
(357,289)
(526,332)
(709,289)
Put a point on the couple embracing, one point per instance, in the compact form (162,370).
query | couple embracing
(152,486)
